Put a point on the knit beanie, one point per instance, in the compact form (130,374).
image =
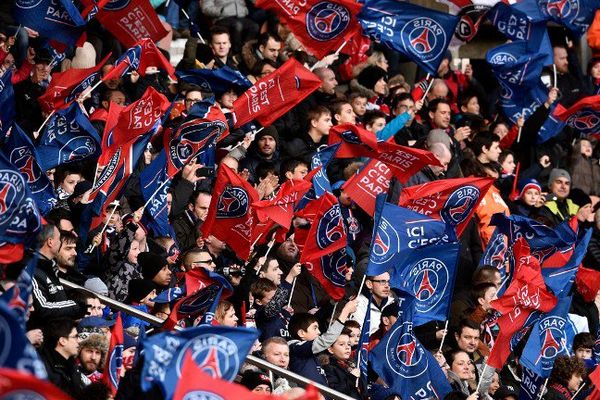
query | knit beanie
(579,197)
(85,56)
(138,289)
(270,131)
(527,184)
(369,76)
(128,341)
(251,379)
(558,173)
(96,285)
(150,264)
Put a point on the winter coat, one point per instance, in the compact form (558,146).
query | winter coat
(339,377)
(224,8)
(120,271)
(63,372)
(585,172)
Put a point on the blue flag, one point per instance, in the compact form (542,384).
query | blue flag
(399,231)
(56,19)
(531,385)
(518,71)
(404,364)
(7,102)
(363,345)
(552,335)
(22,154)
(559,279)
(421,34)
(321,159)
(218,80)
(20,220)
(499,255)
(152,179)
(68,137)
(17,297)
(217,350)
(552,126)
(576,16)
(597,346)
(169,295)
(16,351)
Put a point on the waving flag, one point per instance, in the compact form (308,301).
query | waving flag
(575,16)
(404,364)
(518,69)
(531,385)
(588,283)
(22,154)
(203,126)
(363,347)
(130,21)
(498,254)
(218,80)
(17,297)
(404,161)
(199,278)
(275,94)
(451,200)
(201,303)
(17,353)
(321,26)
(7,102)
(584,115)
(354,140)
(552,336)
(169,295)
(154,178)
(398,231)
(56,19)
(364,186)
(321,184)
(330,270)
(139,57)
(68,137)
(421,34)
(230,218)
(217,351)
(20,220)
(18,385)
(65,87)
(327,232)
(280,209)
(553,126)
(114,357)
(527,293)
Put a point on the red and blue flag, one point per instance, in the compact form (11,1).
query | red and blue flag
(154,178)
(584,116)
(217,81)
(19,385)
(114,358)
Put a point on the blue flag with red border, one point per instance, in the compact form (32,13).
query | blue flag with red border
(404,364)
(218,80)
(217,350)
(68,137)
(419,33)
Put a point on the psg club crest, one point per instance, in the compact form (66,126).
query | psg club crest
(459,205)
(585,121)
(331,227)
(116,364)
(233,203)
(201,395)
(193,135)
(77,148)
(552,330)
(326,20)
(335,267)
(115,5)
(560,9)
(23,159)
(86,83)
(502,58)
(27,4)
(12,191)
(215,355)
(424,37)
(203,301)
(386,238)
(429,280)
(403,355)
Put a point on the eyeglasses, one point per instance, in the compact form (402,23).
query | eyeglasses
(381,281)
(192,101)
(76,336)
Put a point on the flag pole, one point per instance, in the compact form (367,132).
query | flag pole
(443,336)
(481,377)
(271,244)
(362,283)
(332,314)
(337,52)
(428,86)
(578,390)
(88,91)
(292,291)
(15,35)
(156,192)
(116,204)
(543,389)
(37,133)
(185,14)
(555,74)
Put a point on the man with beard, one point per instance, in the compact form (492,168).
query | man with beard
(92,355)
(67,257)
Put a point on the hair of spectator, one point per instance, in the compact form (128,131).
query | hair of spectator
(264,168)
(478,291)
(316,112)
(258,67)
(433,104)
(300,321)
(583,340)
(222,308)
(466,323)
(290,164)
(46,233)
(261,287)
(57,328)
(482,140)
(274,340)
(264,37)
(484,274)
(564,368)
(371,116)
(218,30)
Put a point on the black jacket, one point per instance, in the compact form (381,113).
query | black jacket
(302,147)
(338,378)
(63,372)
(50,300)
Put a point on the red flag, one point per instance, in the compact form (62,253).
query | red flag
(199,278)
(330,270)
(357,49)
(371,180)
(355,141)
(404,161)
(595,379)
(130,21)
(526,293)
(114,357)
(451,200)
(10,253)
(114,111)
(230,217)
(275,94)
(66,86)
(327,232)
(140,116)
(280,209)
(15,384)
(139,57)
(588,283)
(583,115)
(321,26)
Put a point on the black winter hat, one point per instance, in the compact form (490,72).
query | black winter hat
(150,264)
(138,289)
(369,76)
(252,379)
(270,131)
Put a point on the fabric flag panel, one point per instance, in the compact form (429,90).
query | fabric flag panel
(17,297)
(153,183)
(553,126)
(531,385)
(321,26)
(230,218)
(139,57)
(327,231)
(68,137)
(330,270)
(194,305)
(421,34)
(130,21)
(275,94)
(364,186)
(576,16)
(404,161)
(584,115)
(588,283)
(280,209)
(19,385)
(218,80)
(114,358)
(199,278)
(404,364)
(7,102)
(354,140)
(451,200)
